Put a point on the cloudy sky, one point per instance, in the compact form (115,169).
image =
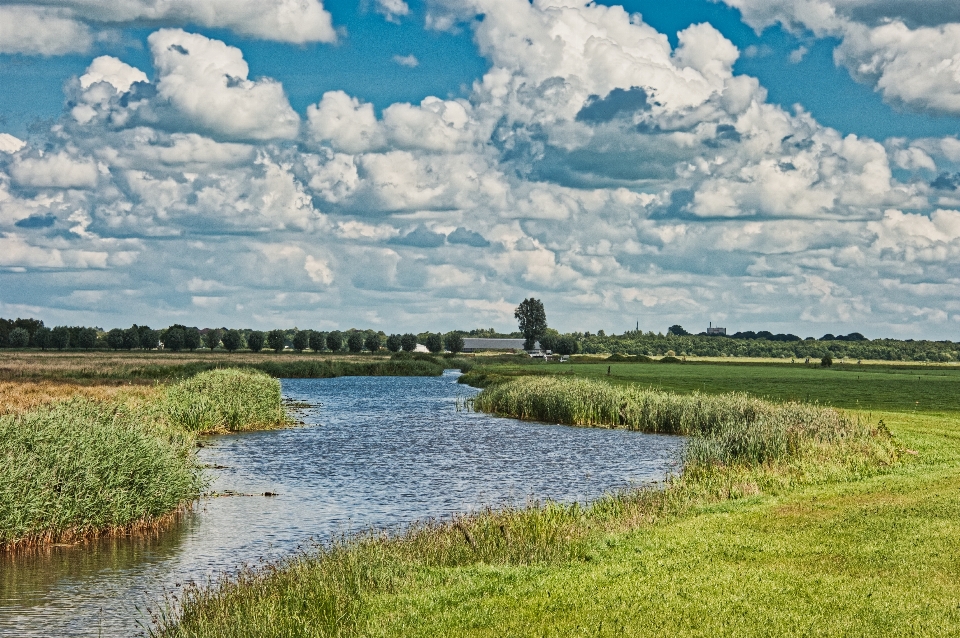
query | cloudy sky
(789,165)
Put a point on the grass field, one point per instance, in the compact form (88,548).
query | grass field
(921,388)
(866,553)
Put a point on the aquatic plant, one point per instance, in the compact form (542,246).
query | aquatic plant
(84,467)
(225,400)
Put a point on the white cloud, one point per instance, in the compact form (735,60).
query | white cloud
(10,144)
(409,61)
(55,171)
(392,10)
(203,84)
(112,71)
(41,31)
(796,56)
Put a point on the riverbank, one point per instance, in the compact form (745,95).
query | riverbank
(114,462)
(544,570)
(136,367)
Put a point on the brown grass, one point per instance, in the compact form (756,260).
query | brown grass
(20,396)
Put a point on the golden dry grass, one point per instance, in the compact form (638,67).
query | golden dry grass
(17,397)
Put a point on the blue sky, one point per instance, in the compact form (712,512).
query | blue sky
(420,165)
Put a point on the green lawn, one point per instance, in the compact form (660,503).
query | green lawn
(877,556)
(921,388)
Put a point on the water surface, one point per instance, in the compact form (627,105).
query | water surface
(380,452)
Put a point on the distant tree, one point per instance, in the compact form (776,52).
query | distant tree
(373,343)
(232,340)
(567,345)
(677,330)
(43,338)
(255,341)
(408,342)
(394,343)
(301,340)
(174,339)
(549,341)
(31,326)
(191,338)
(355,342)
(131,338)
(115,339)
(19,338)
(335,341)
(454,342)
(318,340)
(532,319)
(828,337)
(434,342)
(212,338)
(149,338)
(60,337)
(827,361)
(276,340)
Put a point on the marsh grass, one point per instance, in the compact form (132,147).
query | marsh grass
(82,467)
(228,400)
(115,459)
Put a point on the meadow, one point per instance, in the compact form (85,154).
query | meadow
(115,459)
(847,528)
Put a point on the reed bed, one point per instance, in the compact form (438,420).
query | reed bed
(117,459)
(21,396)
(726,429)
(227,400)
(82,467)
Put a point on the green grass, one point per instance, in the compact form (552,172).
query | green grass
(81,468)
(930,388)
(647,562)
(225,400)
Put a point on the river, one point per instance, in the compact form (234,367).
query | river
(380,452)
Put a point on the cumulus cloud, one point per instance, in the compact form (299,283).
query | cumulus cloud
(392,10)
(10,144)
(593,165)
(883,43)
(34,26)
(409,61)
(41,31)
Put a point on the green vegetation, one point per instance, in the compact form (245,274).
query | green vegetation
(80,467)
(923,388)
(786,501)
(225,400)
(532,320)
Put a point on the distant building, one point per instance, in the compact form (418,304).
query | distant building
(473,344)
(716,331)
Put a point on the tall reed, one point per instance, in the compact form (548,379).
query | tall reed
(723,429)
(225,400)
(81,467)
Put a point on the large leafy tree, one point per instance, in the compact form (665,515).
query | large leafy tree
(335,341)
(276,339)
(567,345)
(191,338)
(434,342)
(318,340)
(131,337)
(149,338)
(373,342)
(212,338)
(678,331)
(232,340)
(255,341)
(454,342)
(355,342)
(408,342)
(301,340)
(19,338)
(60,337)
(394,343)
(115,339)
(532,319)
(43,338)
(174,339)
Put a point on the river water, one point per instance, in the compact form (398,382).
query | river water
(379,452)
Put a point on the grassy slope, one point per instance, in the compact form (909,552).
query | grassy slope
(923,388)
(874,557)
(871,557)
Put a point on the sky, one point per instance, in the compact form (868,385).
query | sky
(404,165)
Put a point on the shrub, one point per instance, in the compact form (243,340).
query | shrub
(826,362)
